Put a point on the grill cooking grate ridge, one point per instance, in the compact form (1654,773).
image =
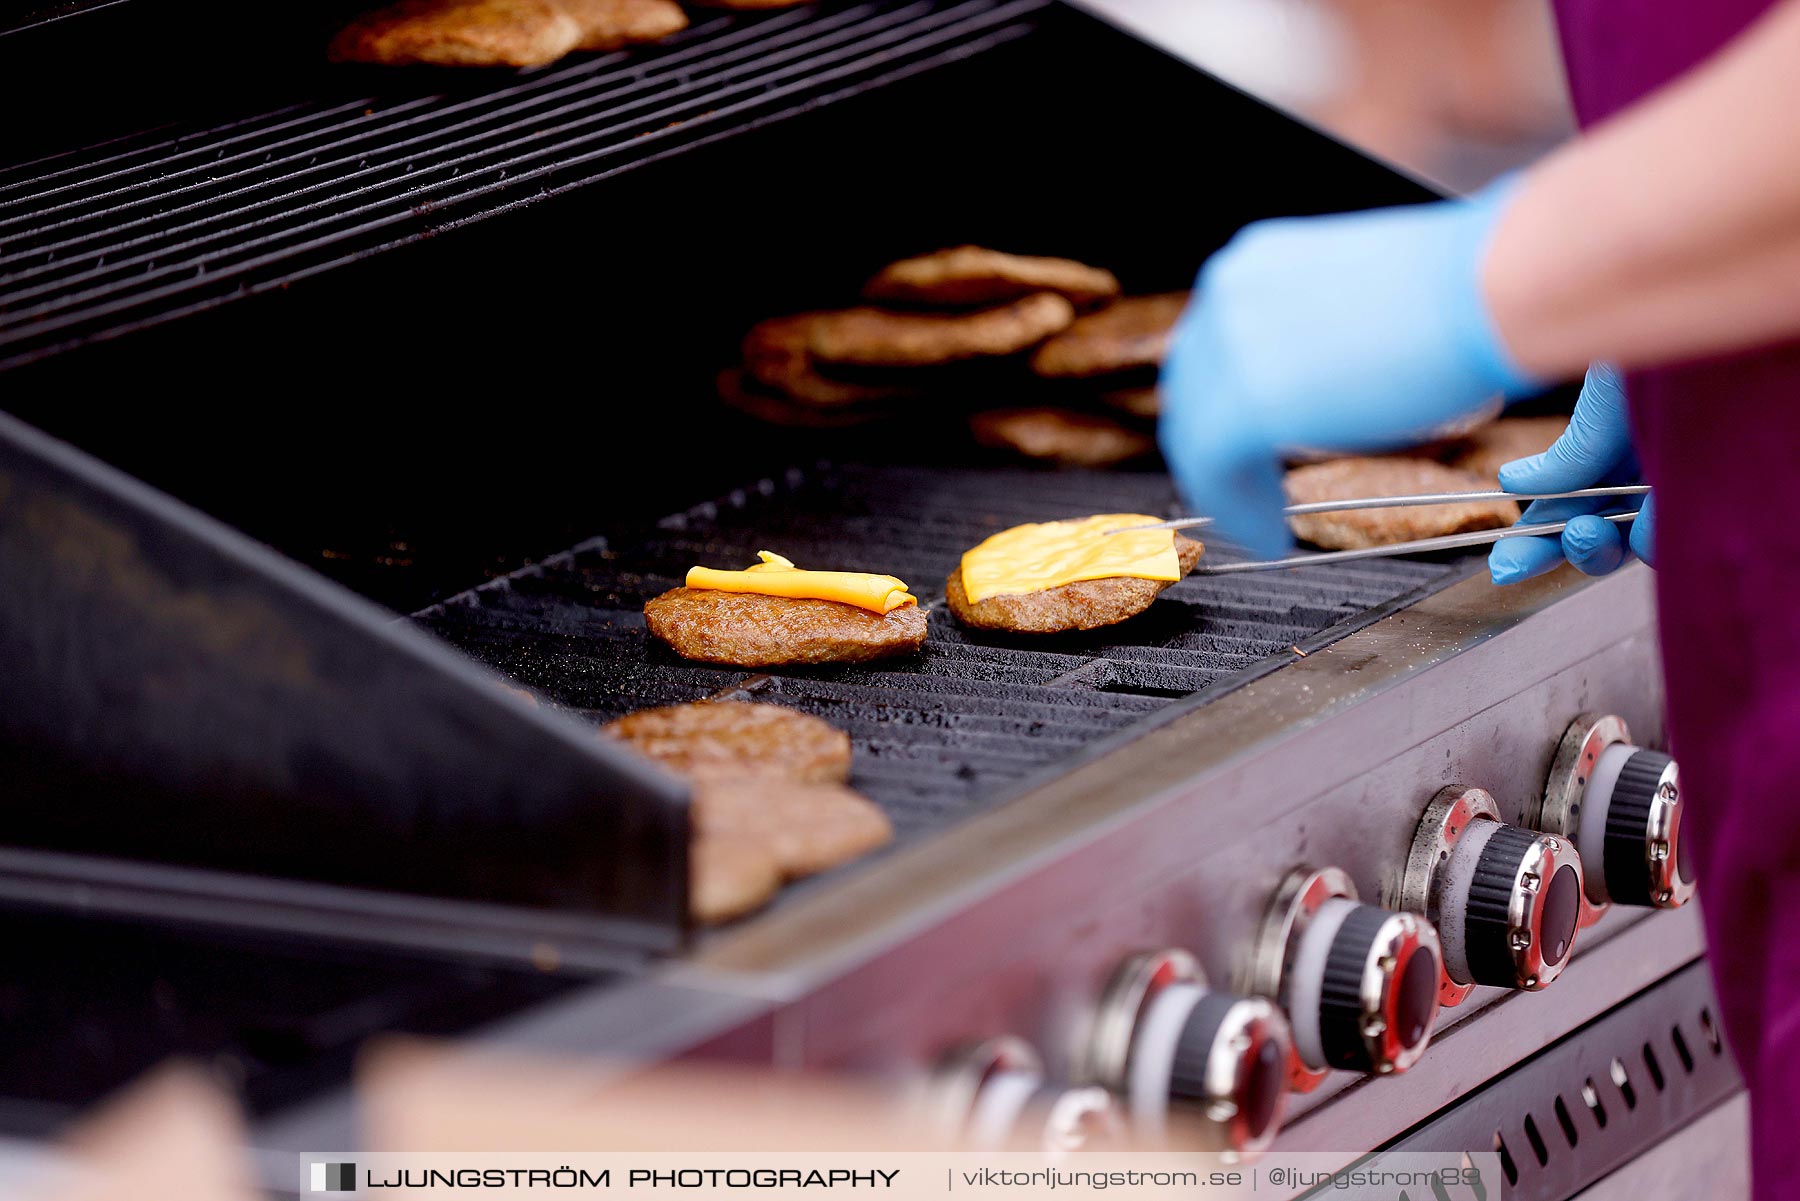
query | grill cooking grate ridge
(142,230)
(974,716)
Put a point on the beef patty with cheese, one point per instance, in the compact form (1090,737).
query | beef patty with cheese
(1060,576)
(774,614)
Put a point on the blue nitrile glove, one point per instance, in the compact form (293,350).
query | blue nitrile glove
(1595,449)
(1358,332)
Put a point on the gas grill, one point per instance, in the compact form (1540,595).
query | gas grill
(450,341)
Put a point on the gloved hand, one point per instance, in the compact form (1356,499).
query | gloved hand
(1595,449)
(1357,332)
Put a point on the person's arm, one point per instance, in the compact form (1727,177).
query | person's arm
(1672,231)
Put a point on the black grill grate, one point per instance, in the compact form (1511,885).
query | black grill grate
(968,719)
(138,231)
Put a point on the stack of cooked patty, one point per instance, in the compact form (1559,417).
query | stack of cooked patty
(511,33)
(770,803)
(972,324)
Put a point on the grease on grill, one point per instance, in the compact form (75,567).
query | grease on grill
(965,721)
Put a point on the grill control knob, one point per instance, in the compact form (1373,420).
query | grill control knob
(991,1095)
(1162,1036)
(1621,805)
(1085,1118)
(1506,901)
(979,1093)
(1359,983)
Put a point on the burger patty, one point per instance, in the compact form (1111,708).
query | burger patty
(1139,402)
(1127,335)
(744,629)
(501,33)
(1084,605)
(1063,436)
(476,33)
(611,24)
(1498,443)
(807,828)
(869,337)
(974,275)
(1346,479)
(737,740)
(776,356)
(729,877)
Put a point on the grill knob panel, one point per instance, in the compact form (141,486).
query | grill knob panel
(1506,901)
(1621,804)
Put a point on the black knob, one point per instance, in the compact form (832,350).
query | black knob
(1522,909)
(1232,1059)
(1379,995)
(1621,805)
(1642,844)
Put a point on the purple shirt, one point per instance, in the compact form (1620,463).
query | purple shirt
(1721,443)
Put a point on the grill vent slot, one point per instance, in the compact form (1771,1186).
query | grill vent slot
(1622,1079)
(1591,1095)
(1612,1124)
(1538,1149)
(1681,1049)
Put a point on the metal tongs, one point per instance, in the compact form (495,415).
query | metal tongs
(1417,546)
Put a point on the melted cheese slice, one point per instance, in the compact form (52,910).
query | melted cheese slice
(1032,558)
(775,576)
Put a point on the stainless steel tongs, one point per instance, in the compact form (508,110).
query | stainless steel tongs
(1417,546)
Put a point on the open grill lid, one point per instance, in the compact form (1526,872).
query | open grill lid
(176,694)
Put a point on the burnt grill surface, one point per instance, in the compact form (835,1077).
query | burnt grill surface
(969,719)
(151,227)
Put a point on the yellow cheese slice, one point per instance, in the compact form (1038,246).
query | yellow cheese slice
(1032,558)
(775,576)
